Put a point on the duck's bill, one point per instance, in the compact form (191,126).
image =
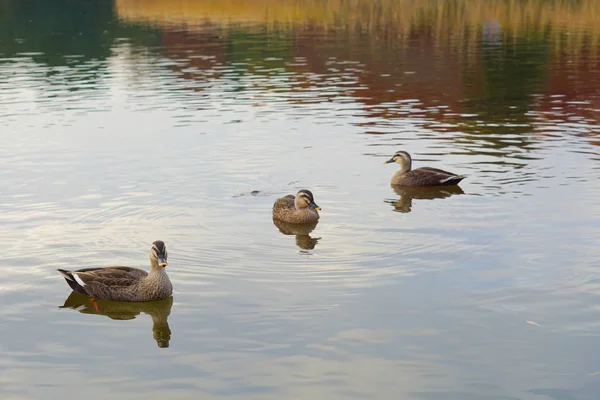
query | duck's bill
(162,262)
(391,160)
(314,205)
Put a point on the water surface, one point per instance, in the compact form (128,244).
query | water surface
(135,120)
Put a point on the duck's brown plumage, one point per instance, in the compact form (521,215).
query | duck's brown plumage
(285,209)
(426,176)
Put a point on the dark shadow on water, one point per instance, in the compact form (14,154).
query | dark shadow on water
(119,310)
(302,232)
(51,31)
(405,202)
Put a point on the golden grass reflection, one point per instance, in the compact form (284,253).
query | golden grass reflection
(401,16)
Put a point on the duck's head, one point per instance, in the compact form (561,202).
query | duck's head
(158,253)
(304,198)
(401,157)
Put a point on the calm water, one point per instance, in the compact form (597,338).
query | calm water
(130,121)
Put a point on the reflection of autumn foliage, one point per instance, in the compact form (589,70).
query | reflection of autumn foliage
(572,97)
(368,69)
(578,84)
(457,55)
(198,53)
(385,71)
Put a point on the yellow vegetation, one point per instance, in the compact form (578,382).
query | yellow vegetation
(571,25)
(365,14)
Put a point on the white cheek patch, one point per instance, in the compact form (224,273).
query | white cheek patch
(78,279)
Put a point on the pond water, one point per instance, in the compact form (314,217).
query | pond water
(129,121)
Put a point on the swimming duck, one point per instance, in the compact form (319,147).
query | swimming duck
(424,176)
(300,209)
(125,283)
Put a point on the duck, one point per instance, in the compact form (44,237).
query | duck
(125,283)
(299,209)
(425,176)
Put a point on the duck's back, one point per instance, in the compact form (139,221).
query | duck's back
(426,176)
(286,202)
(117,272)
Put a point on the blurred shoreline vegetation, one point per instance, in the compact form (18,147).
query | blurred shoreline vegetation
(569,25)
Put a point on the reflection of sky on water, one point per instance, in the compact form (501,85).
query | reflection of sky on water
(414,342)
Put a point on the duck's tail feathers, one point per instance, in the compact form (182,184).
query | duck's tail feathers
(66,274)
(452,180)
(73,284)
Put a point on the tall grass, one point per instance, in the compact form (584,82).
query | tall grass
(514,15)
(570,25)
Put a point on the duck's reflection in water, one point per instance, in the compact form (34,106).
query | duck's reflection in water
(302,232)
(405,202)
(158,310)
